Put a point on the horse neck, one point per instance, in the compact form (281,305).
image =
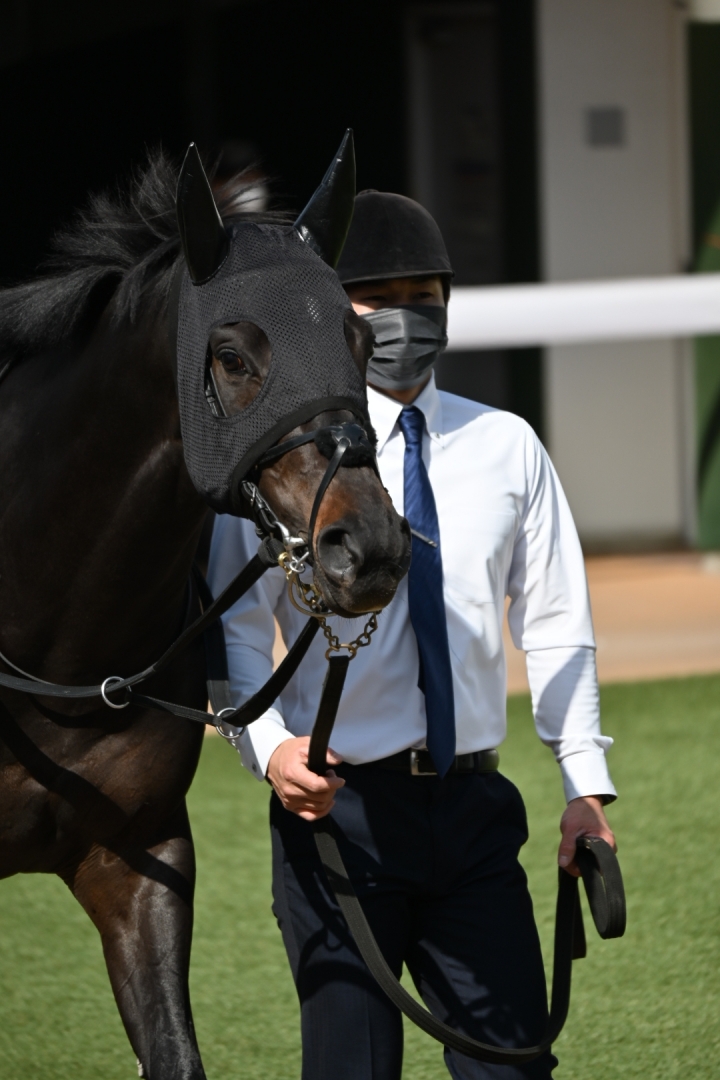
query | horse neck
(102,522)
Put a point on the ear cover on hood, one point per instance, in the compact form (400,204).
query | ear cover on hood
(272,278)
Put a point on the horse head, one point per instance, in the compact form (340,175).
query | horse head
(271,366)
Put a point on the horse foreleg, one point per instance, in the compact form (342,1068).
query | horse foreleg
(140,899)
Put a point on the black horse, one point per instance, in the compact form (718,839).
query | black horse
(100,524)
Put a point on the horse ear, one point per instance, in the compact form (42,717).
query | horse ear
(325,221)
(202,232)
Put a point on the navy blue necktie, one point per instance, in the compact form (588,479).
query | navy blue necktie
(425,592)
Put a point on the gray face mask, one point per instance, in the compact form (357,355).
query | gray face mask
(408,341)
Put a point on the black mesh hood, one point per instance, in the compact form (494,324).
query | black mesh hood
(272,278)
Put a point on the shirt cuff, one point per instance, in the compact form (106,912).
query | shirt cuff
(586,773)
(259,741)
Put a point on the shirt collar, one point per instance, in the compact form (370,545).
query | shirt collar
(384,412)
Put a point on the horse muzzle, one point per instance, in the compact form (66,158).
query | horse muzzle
(359,562)
(358,557)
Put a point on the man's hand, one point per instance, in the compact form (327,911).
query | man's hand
(583,817)
(298,789)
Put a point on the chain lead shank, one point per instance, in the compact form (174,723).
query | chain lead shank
(305,597)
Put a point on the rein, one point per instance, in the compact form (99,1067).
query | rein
(601,876)
(278,547)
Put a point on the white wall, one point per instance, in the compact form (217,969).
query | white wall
(619,421)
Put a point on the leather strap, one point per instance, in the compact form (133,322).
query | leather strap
(327,711)
(240,584)
(258,703)
(603,883)
(334,441)
(207,623)
(333,466)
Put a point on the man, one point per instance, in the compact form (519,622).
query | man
(430,829)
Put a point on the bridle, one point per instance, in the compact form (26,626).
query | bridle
(344,444)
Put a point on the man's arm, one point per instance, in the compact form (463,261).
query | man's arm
(566,707)
(550,619)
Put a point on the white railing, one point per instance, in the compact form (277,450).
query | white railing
(507,316)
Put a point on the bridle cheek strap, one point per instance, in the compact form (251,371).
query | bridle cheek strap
(334,464)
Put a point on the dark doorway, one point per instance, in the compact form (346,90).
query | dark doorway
(472,162)
(293,74)
(85,88)
(287,76)
(74,120)
(703,62)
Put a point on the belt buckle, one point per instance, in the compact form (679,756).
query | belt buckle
(415,769)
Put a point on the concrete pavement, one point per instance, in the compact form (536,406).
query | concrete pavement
(655,616)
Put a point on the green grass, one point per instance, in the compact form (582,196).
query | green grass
(644,1006)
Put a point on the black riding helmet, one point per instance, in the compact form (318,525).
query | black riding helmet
(392,236)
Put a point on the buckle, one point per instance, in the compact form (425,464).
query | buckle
(415,769)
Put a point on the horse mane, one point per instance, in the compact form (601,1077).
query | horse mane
(123,244)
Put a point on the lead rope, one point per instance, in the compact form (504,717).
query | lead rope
(276,540)
(598,865)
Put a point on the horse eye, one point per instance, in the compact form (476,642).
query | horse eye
(231,361)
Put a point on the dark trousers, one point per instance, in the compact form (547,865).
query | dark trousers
(435,865)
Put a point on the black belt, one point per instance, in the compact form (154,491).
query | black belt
(420,763)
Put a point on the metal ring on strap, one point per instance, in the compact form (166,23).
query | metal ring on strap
(103,692)
(218,727)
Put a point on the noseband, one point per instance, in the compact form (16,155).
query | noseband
(343,444)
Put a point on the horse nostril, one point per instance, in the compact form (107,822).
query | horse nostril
(339,554)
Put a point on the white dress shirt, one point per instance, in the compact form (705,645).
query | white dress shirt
(505,531)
